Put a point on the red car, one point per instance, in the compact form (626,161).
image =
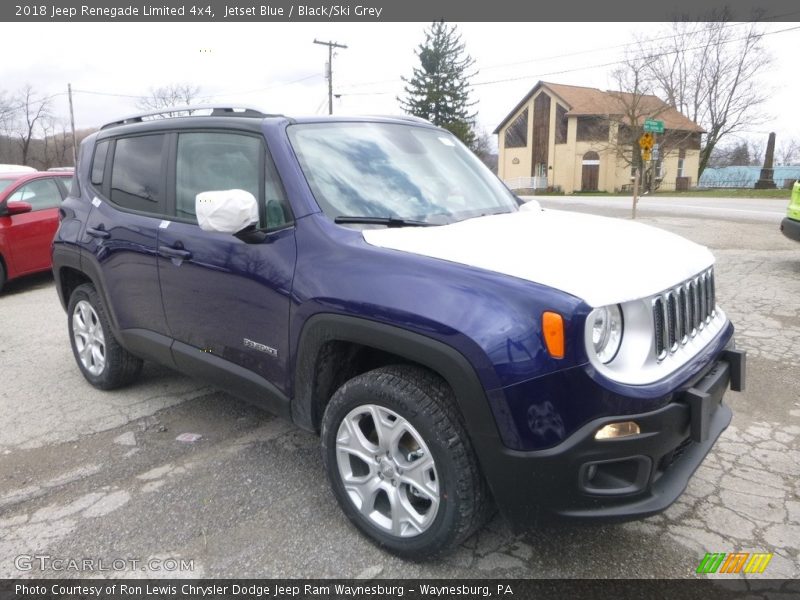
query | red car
(28,220)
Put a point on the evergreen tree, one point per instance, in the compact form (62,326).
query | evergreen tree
(439,90)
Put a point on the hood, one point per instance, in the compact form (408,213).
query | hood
(598,259)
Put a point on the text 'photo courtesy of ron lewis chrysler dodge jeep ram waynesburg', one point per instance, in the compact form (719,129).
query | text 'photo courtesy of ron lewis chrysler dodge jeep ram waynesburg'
(458,350)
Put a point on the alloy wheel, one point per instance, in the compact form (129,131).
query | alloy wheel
(387,470)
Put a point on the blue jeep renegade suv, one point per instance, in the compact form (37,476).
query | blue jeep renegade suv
(370,280)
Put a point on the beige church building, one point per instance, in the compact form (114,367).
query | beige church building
(580,139)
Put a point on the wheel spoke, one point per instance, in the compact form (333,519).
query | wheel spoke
(381,427)
(418,476)
(403,515)
(80,340)
(78,324)
(86,355)
(389,427)
(97,355)
(86,316)
(353,441)
(366,489)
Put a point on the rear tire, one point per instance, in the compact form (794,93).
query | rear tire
(400,462)
(2,275)
(104,363)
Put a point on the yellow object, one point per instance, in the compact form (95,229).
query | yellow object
(617,430)
(553,329)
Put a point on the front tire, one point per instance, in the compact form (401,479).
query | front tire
(102,361)
(400,462)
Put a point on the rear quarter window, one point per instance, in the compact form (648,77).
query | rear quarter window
(99,162)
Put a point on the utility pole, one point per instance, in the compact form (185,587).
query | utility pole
(329,74)
(72,123)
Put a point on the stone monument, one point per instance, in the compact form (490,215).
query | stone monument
(765,181)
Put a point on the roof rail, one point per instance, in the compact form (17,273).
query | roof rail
(186,111)
(407,118)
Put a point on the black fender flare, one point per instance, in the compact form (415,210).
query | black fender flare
(441,358)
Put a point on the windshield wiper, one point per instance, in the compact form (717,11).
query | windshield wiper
(388,221)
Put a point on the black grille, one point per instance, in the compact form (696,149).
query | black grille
(679,313)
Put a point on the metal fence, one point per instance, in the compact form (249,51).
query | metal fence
(746,177)
(526,183)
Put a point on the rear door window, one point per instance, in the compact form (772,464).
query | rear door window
(137,176)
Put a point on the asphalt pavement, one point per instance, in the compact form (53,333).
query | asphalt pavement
(94,475)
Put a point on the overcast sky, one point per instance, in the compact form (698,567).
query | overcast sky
(277,67)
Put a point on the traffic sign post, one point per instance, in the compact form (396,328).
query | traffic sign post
(653,126)
(646,143)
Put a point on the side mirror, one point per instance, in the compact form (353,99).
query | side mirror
(531,206)
(17,207)
(226,211)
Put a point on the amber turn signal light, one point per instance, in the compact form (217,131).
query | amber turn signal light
(553,330)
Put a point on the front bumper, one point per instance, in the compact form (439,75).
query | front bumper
(791,229)
(628,477)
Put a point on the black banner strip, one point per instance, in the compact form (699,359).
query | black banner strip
(370,11)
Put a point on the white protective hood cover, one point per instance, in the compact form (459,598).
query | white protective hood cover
(598,259)
(228,211)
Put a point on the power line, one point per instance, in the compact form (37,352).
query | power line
(601,65)
(622,61)
(264,89)
(619,46)
(580,52)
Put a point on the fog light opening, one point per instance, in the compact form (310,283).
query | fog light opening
(614,431)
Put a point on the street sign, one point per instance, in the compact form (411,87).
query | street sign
(654,126)
(646,141)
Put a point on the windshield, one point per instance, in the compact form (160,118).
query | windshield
(397,171)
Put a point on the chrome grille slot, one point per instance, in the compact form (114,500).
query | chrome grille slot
(710,295)
(701,283)
(658,323)
(687,315)
(696,303)
(672,322)
(681,312)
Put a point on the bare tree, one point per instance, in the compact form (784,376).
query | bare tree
(31,113)
(7,111)
(633,105)
(175,94)
(731,155)
(788,152)
(758,149)
(710,72)
(55,147)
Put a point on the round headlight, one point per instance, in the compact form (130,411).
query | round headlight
(606,331)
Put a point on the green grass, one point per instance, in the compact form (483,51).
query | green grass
(730,193)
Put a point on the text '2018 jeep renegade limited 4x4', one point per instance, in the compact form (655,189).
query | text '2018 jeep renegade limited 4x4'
(371,280)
